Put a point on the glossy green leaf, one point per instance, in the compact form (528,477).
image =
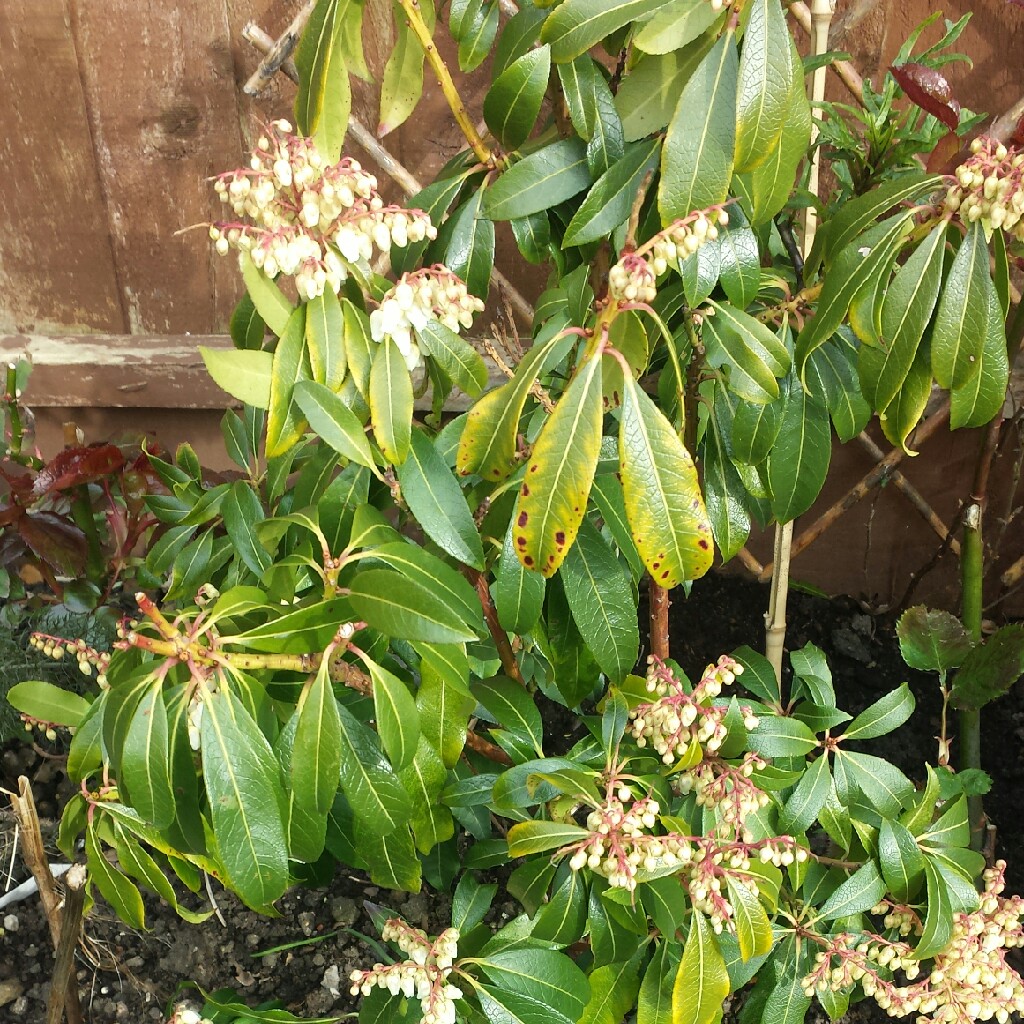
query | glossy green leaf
(900,858)
(247,327)
(436,500)
(379,802)
(990,669)
(932,640)
(457,358)
(674,25)
(799,460)
(613,990)
(754,429)
(860,892)
(649,92)
(884,716)
(981,399)
(334,422)
(884,785)
(48,703)
(478,34)
(654,1003)
(609,202)
(904,412)
(291,364)
(776,736)
(831,375)
(324,98)
(702,982)
(243,511)
(663,500)
(400,607)
(271,303)
(539,181)
(559,474)
(245,799)
(608,499)
(423,779)
(518,592)
(593,112)
(577,25)
(115,888)
(753,930)
(391,402)
(470,252)
(316,753)
(244,375)
(402,83)
(754,355)
(145,761)
(938,922)
(697,157)
(514,100)
(600,595)
(858,264)
(807,798)
(740,266)
(723,489)
(765,83)
(532,985)
(512,707)
(563,918)
(325,338)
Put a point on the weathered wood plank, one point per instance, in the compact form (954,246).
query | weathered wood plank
(159,85)
(56,264)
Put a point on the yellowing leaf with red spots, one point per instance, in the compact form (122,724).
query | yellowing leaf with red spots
(559,475)
(664,505)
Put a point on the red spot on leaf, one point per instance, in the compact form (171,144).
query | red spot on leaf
(521,521)
(702,544)
(528,560)
(525,491)
(930,90)
(521,541)
(655,566)
(560,538)
(534,468)
(665,575)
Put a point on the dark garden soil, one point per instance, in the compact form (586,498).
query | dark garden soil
(132,976)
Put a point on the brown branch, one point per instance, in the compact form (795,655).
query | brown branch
(33,854)
(264,42)
(843,69)
(658,601)
(863,487)
(64,979)
(509,664)
(279,52)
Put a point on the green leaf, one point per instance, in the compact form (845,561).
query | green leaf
(445,705)
(990,669)
(649,93)
(245,799)
(423,779)
(470,903)
(787,1004)
(697,157)
(247,327)
(512,707)
(478,35)
(530,837)
(799,460)
(609,202)
(559,474)
(244,375)
(115,888)
(593,112)
(607,498)
(514,100)
(676,24)
(860,892)
(765,84)
(48,703)
(854,269)
(577,25)
(654,1004)
(488,442)
(901,860)
(723,489)
(662,493)
(909,301)
(335,423)
(831,376)
(885,715)
(533,236)
(379,802)
(518,592)
(613,990)
(563,919)
(777,736)
(855,216)
(436,500)
(457,358)
(291,364)
(400,607)
(753,930)
(242,511)
(518,34)
(470,251)
(807,799)
(754,355)
(906,409)
(952,828)
(600,595)
(391,402)
(956,339)
(271,303)
(938,922)
(981,399)
(546,981)
(702,982)
(402,83)
(325,338)
(145,761)
(323,94)
(754,429)
(539,181)
(316,752)
(885,786)
(741,269)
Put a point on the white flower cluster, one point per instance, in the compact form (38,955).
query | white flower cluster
(990,188)
(728,789)
(184,1014)
(677,718)
(969,980)
(634,277)
(423,976)
(306,218)
(89,658)
(433,293)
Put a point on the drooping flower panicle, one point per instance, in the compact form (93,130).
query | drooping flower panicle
(990,188)
(303,217)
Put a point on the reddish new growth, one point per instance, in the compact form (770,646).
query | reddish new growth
(969,980)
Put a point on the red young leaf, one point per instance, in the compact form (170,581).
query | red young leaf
(55,540)
(1018,133)
(943,158)
(929,89)
(74,466)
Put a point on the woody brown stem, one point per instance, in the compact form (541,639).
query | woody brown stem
(64,965)
(509,664)
(658,599)
(279,52)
